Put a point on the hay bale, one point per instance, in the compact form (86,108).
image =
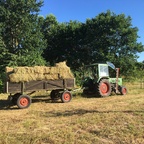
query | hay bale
(40,77)
(61,64)
(39,69)
(51,77)
(9,69)
(26,74)
(53,70)
(18,78)
(46,70)
(20,70)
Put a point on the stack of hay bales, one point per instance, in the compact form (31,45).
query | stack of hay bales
(26,74)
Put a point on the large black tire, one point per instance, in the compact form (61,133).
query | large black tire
(66,96)
(123,90)
(24,101)
(85,91)
(104,88)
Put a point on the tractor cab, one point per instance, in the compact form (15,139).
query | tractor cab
(95,72)
(97,80)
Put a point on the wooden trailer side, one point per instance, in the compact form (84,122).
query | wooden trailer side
(11,87)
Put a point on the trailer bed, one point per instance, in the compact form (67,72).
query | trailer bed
(11,87)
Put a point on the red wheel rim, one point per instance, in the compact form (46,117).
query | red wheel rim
(104,88)
(124,91)
(67,96)
(24,102)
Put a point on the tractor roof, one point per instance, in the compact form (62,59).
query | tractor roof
(102,63)
(95,64)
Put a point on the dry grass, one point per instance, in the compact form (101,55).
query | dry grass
(111,120)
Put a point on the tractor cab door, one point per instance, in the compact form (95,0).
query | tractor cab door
(90,75)
(91,71)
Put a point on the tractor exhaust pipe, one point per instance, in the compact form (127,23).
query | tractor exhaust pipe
(117,76)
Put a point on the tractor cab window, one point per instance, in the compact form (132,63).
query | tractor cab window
(91,71)
(88,72)
(103,71)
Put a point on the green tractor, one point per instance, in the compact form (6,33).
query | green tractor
(97,80)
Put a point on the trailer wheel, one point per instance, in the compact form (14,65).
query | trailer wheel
(24,101)
(104,88)
(15,97)
(66,96)
(54,95)
(123,90)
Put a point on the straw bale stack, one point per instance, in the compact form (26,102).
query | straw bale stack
(26,74)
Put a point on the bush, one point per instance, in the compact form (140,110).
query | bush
(1,86)
(2,80)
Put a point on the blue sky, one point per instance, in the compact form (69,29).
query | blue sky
(80,10)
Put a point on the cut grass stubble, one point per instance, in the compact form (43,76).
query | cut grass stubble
(115,119)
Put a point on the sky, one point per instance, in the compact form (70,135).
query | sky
(80,10)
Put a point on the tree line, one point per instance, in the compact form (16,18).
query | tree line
(28,39)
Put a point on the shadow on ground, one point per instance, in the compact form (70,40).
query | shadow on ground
(80,112)
(6,104)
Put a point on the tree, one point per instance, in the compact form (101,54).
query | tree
(21,31)
(5,56)
(63,39)
(106,37)
(113,36)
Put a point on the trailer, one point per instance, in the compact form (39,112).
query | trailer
(20,92)
(58,80)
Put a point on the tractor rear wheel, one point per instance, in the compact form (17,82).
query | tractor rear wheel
(104,88)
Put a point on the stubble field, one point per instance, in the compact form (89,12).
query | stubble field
(110,120)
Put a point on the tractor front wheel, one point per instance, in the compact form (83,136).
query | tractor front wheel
(104,88)
(123,90)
